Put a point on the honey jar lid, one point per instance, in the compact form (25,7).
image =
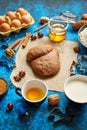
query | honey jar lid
(70,15)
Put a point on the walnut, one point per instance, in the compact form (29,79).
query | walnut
(76,26)
(84,17)
(53,99)
(22,73)
(17,78)
(76,49)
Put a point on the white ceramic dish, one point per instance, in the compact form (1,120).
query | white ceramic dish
(81,36)
(33,83)
(75,88)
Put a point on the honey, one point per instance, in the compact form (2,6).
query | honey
(35,94)
(57,33)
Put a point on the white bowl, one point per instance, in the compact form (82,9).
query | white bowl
(75,88)
(33,83)
(80,35)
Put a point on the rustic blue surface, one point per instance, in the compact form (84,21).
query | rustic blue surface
(38,116)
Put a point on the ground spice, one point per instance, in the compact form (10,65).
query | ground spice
(3,86)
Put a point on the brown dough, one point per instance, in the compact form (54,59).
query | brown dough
(47,65)
(38,51)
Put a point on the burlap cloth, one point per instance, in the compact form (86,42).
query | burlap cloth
(66,53)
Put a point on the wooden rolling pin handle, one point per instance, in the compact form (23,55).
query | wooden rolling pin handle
(14,44)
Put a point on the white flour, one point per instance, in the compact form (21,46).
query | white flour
(83,37)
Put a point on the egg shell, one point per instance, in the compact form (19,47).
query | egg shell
(15,23)
(26,19)
(11,15)
(4,27)
(22,11)
(2,20)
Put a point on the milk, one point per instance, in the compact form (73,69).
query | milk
(76,90)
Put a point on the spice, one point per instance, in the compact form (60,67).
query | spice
(3,86)
(17,78)
(22,73)
(33,37)
(40,35)
(83,36)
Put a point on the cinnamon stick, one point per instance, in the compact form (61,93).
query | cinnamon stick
(28,35)
(17,47)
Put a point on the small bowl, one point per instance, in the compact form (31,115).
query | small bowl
(75,88)
(3,87)
(32,89)
(80,35)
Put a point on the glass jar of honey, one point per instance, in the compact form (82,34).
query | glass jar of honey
(57,29)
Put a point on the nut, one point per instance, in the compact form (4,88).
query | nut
(76,26)
(53,99)
(84,17)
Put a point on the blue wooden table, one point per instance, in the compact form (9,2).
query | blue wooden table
(38,115)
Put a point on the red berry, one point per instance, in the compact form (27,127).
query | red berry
(9,106)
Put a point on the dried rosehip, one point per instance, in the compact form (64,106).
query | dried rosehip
(9,107)
(40,35)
